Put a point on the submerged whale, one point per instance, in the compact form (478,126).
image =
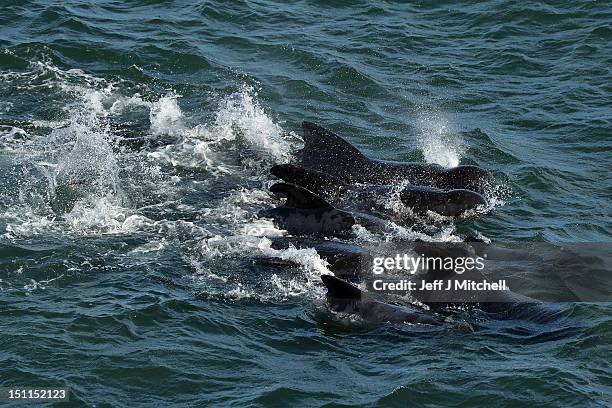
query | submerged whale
(354,263)
(343,297)
(502,303)
(420,199)
(305,213)
(327,152)
(346,261)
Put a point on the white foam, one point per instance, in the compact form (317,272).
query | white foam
(439,140)
(241,115)
(36,285)
(12,137)
(240,142)
(308,258)
(239,121)
(24,223)
(311,264)
(151,246)
(166,117)
(77,161)
(122,104)
(102,215)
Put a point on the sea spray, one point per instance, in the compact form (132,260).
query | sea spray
(439,141)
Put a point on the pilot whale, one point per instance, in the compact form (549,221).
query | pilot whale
(343,297)
(327,152)
(305,213)
(347,261)
(354,263)
(502,303)
(455,203)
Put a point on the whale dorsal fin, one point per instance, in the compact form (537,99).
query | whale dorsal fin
(310,179)
(317,138)
(339,289)
(299,197)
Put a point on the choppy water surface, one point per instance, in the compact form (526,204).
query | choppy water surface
(135,143)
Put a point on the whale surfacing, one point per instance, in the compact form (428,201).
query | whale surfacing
(305,213)
(343,297)
(327,152)
(450,203)
(346,298)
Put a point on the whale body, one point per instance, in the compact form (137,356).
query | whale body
(420,199)
(327,152)
(342,297)
(305,213)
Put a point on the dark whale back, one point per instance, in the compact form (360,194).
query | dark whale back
(346,298)
(298,197)
(316,181)
(305,213)
(339,290)
(327,152)
(346,261)
(451,203)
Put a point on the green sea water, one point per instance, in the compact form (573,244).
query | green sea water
(135,143)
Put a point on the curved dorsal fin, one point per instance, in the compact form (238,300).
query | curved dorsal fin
(339,289)
(299,197)
(318,138)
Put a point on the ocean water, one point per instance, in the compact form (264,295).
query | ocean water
(135,143)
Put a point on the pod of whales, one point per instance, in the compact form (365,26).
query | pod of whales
(330,187)
(354,263)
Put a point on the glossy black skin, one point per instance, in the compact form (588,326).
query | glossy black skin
(452,203)
(326,152)
(420,199)
(504,304)
(322,222)
(317,222)
(345,298)
(346,261)
(354,263)
(305,213)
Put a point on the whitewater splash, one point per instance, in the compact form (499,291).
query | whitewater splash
(74,180)
(240,121)
(72,177)
(439,140)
